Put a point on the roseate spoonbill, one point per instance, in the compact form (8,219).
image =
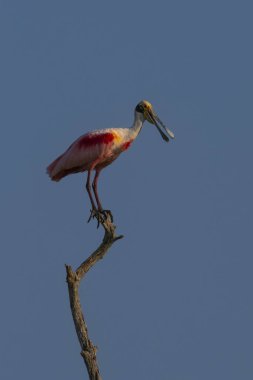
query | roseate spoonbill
(97,149)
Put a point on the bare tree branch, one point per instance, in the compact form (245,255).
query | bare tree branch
(73,279)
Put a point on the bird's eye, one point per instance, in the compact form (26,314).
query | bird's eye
(139,108)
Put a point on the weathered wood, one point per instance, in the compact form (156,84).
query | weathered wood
(88,350)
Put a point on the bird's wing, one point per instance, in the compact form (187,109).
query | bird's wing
(82,154)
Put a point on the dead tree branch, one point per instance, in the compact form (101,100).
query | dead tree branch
(88,350)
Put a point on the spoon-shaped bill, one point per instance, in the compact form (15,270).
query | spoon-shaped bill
(165,132)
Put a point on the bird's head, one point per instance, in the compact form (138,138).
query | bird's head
(146,109)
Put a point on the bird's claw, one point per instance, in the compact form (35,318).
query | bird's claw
(94,213)
(100,215)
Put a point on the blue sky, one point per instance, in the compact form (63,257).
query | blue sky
(173,300)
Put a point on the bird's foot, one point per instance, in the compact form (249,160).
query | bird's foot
(94,213)
(100,215)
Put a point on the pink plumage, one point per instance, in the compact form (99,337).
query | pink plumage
(95,150)
(87,152)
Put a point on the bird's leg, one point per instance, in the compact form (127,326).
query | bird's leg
(93,212)
(94,186)
(95,190)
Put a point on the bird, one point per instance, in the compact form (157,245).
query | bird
(97,149)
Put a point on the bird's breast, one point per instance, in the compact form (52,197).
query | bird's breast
(126,145)
(122,139)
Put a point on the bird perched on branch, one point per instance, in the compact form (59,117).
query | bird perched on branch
(97,149)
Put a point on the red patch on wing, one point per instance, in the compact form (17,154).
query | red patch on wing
(127,144)
(94,139)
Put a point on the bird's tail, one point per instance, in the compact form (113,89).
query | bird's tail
(52,171)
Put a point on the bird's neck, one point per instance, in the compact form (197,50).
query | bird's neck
(137,125)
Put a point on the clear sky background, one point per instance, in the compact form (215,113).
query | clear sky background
(173,299)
